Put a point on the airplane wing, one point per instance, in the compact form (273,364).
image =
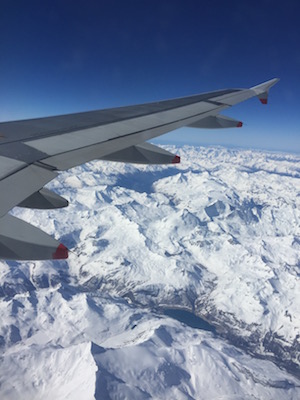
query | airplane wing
(32,152)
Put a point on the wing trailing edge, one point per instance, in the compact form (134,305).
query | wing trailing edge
(22,241)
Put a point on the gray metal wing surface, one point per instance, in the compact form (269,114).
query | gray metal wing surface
(32,152)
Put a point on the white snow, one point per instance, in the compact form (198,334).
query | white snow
(218,235)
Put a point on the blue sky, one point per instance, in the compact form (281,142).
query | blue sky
(68,56)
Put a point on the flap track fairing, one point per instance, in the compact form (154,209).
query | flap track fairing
(44,199)
(22,241)
(145,153)
(216,122)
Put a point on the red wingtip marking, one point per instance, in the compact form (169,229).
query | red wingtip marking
(61,253)
(176,160)
(263,101)
(239,125)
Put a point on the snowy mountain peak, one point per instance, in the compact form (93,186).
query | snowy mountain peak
(217,235)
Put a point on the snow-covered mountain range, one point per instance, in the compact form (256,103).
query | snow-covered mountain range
(217,236)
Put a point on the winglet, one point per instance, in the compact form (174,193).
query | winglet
(262,90)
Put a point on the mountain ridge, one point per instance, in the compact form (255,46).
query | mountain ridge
(217,235)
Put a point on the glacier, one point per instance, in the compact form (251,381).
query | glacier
(217,236)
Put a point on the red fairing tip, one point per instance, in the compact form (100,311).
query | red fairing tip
(176,160)
(239,125)
(263,101)
(61,253)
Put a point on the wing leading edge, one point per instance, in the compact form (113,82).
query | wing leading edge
(33,151)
